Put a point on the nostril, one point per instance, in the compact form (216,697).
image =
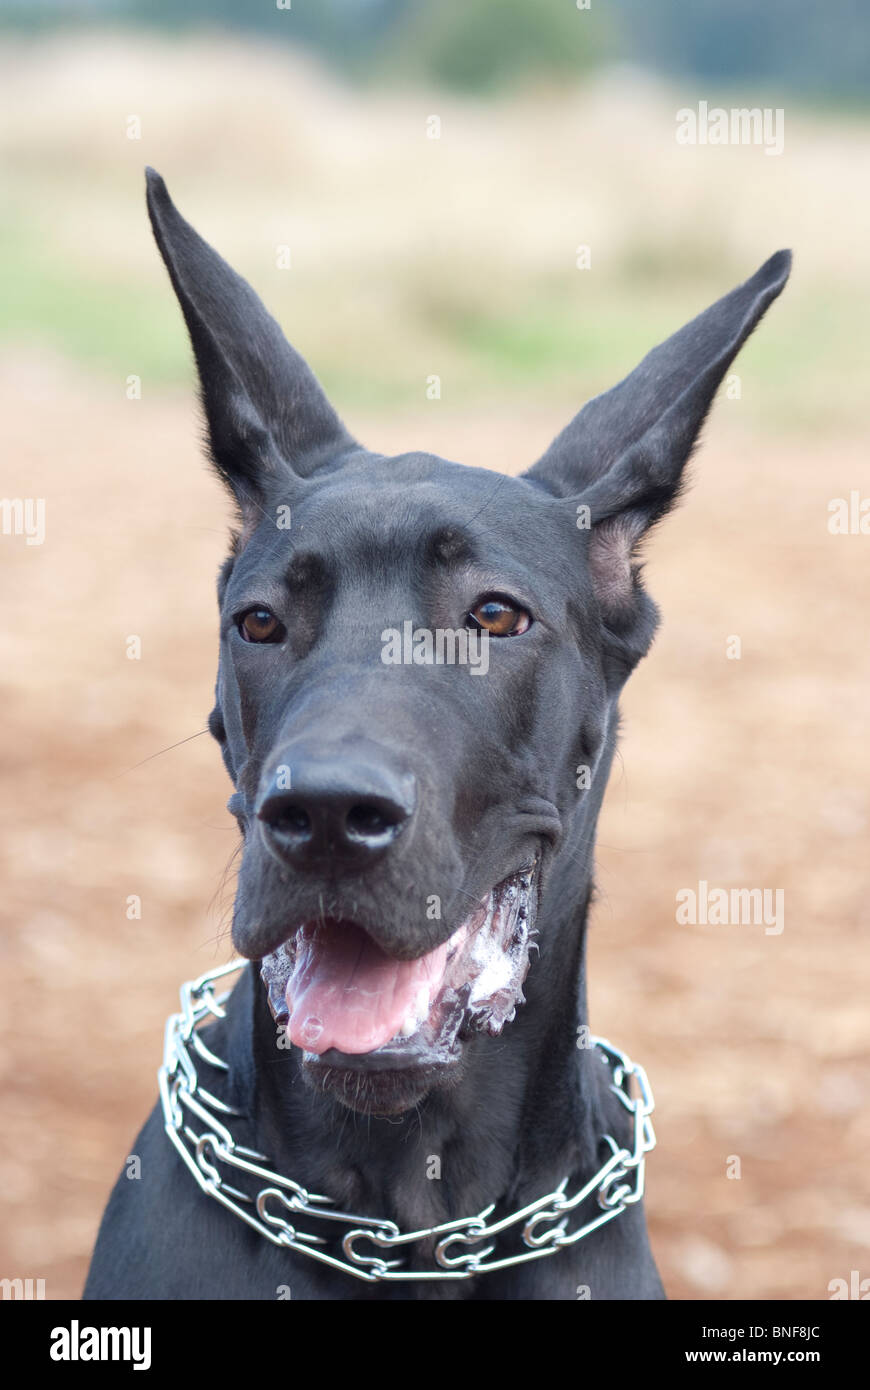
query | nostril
(368,822)
(292,820)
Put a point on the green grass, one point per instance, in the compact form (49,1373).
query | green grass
(105,322)
(544,337)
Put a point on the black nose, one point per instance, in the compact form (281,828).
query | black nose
(336,810)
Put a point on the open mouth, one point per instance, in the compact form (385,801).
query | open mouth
(347,1003)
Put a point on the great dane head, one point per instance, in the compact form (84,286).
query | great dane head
(417,686)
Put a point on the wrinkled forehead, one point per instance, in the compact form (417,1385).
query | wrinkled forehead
(414,509)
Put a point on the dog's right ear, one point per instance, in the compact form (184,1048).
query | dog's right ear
(621,460)
(264,408)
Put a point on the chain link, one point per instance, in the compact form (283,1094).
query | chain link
(195,1123)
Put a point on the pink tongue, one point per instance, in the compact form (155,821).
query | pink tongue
(346,993)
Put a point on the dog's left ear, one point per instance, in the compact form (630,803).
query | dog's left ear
(265,410)
(623,456)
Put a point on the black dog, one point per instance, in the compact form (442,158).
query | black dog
(419,753)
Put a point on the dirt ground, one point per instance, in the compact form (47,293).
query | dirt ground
(747,773)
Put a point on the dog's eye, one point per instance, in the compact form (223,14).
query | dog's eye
(260,625)
(499,616)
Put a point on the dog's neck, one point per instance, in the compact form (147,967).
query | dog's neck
(529,1109)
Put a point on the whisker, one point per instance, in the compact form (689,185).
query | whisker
(159,754)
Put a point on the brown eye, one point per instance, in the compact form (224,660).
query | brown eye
(260,625)
(500,617)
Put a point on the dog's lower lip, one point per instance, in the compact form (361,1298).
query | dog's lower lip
(378,1061)
(474,984)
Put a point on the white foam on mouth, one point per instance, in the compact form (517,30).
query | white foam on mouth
(491,962)
(422,1004)
(487,962)
(312,1030)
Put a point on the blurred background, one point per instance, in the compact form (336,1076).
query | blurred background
(490,192)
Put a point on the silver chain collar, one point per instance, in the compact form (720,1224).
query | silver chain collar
(193,1124)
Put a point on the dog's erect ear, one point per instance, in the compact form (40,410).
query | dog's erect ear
(623,456)
(263,405)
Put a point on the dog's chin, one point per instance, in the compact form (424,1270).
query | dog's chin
(392,1091)
(378,1033)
